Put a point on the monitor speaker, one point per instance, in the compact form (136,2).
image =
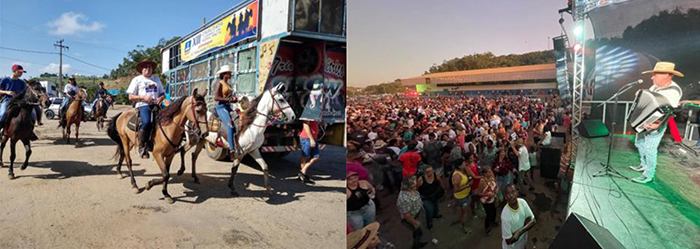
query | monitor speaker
(592,128)
(581,233)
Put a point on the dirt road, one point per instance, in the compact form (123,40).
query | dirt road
(72,198)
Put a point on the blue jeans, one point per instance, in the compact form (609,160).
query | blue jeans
(431,208)
(503,181)
(648,145)
(65,102)
(362,217)
(145,115)
(306,149)
(224,114)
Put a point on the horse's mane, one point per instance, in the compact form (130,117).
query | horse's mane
(166,115)
(249,114)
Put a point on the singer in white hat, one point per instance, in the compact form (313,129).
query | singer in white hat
(647,142)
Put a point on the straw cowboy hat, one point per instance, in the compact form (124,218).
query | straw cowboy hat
(379,144)
(144,63)
(519,142)
(360,239)
(223,69)
(664,67)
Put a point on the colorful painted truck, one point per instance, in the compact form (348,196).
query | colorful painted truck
(296,43)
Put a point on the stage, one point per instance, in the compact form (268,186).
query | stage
(662,214)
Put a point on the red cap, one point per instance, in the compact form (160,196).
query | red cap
(16,67)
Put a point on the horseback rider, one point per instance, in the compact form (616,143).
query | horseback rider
(101,94)
(223,95)
(146,92)
(70,90)
(9,88)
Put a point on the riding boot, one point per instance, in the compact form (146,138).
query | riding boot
(142,144)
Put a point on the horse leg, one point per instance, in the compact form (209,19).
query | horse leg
(195,154)
(182,161)
(77,132)
(127,148)
(12,158)
(2,149)
(119,166)
(259,159)
(164,165)
(234,170)
(67,133)
(28,153)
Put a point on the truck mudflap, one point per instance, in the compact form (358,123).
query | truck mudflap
(267,149)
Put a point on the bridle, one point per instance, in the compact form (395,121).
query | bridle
(196,128)
(272,116)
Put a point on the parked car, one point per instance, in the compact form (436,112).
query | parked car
(52,111)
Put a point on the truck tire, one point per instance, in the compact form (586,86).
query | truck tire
(215,152)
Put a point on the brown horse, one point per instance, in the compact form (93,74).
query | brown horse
(192,140)
(168,132)
(100,114)
(18,123)
(74,115)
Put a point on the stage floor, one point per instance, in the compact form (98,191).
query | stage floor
(662,214)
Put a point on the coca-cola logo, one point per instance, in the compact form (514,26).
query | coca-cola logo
(335,68)
(282,66)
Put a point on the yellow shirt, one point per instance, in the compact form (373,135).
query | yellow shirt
(464,182)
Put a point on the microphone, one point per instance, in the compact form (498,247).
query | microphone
(639,81)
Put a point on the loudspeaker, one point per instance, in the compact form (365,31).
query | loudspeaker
(593,128)
(579,232)
(549,162)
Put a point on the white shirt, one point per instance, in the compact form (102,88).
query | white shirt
(547,138)
(672,92)
(142,86)
(372,136)
(512,220)
(451,134)
(71,88)
(523,159)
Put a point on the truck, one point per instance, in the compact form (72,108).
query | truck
(296,43)
(51,88)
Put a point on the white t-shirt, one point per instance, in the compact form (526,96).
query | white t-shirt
(523,159)
(372,136)
(512,220)
(142,86)
(451,134)
(71,89)
(672,92)
(419,147)
(547,138)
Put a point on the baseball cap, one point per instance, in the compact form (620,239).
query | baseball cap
(16,67)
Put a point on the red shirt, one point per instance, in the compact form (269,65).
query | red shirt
(313,126)
(410,162)
(475,171)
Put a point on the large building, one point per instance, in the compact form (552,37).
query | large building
(530,80)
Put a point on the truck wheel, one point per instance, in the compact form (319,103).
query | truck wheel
(216,152)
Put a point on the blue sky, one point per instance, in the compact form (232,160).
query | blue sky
(97,32)
(392,39)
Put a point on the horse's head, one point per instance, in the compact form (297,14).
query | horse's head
(198,112)
(82,94)
(280,104)
(37,93)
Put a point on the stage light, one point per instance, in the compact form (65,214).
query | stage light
(577,47)
(578,30)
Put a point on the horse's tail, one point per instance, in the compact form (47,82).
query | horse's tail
(114,135)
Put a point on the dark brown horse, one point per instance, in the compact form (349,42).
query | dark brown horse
(100,113)
(18,125)
(168,133)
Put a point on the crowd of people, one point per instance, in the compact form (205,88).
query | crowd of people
(470,152)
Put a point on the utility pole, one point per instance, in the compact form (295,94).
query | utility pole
(60,63)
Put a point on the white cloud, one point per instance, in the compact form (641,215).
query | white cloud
(70,23)
(53,68)
(77,54)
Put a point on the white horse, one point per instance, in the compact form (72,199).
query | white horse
(253,124)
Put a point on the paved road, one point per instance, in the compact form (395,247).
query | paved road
(72,198)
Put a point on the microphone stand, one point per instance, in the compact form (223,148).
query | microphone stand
(608,170)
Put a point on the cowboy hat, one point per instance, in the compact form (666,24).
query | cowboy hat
(360,239)
(519,141)
(664,67)
(379,144)
(223,69)
(144,63)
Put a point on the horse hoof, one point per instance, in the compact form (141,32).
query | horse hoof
(23,167)
(169,200)
(180,172)
(11,176)
(120,176)
(196,180)
(136,190)
(148,186)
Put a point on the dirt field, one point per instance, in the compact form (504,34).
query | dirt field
(72,198)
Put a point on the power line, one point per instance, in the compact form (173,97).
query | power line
(46,65)
(87,63)
(27,51)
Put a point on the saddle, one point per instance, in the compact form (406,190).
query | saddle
(135,122)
